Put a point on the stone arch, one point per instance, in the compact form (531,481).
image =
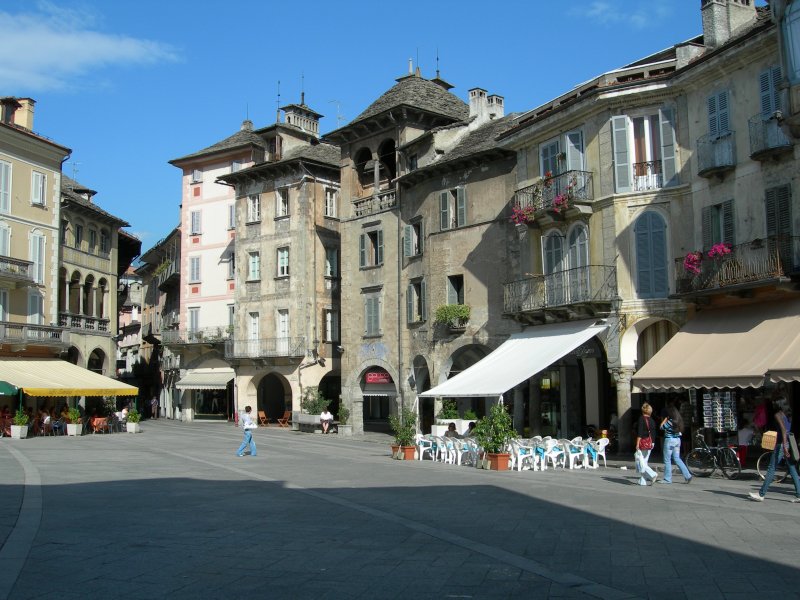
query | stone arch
(102,298)
(273,394)
(629,341)
(387,159)
(97,361)
(363,167)
(75,293)
(459,360)
(74,356)
(331,387)
(87,296)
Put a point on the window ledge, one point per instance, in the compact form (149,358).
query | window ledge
(372,336)
(278,277)
(369,267)
(253,280)
(257,221)
(282,217)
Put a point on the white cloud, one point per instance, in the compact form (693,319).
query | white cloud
(618,13)
(55,48)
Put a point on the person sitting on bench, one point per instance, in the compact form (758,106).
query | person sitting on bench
(326,418)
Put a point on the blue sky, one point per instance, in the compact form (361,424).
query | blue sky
(131,85)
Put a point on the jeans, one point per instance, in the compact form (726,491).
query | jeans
(777,457)
(672,451)
(248,440)
(643,467)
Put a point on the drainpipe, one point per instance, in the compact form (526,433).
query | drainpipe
(399,290)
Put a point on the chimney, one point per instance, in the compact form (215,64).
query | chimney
(8,109)
(478,105)
(247,125)
(724,19)
(24,115)
(496,108)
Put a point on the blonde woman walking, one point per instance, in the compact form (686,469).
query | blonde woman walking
(645,440)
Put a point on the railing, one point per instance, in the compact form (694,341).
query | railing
(170,361)
(24,332)
(647,176)
(83,323)
(266,347)
(202,335)
(172,270)
(100,261)
(751,262)
(716,154)
(16,268)
(169,319)
(766,136)
(592,283)
(373,204)
(572,186)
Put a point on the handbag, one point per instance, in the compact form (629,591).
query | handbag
(793,450)
(647,442)
(769,439)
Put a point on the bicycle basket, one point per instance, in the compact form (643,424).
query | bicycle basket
(769,439)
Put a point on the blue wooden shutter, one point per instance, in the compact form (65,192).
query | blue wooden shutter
(622,161)
(461,207)
(768,86)
(408,234)
(728,227)
(651,256)
(718,117)
(444,211)
(669,162)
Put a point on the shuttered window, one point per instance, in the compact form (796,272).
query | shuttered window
(5,240)
(548,158)
(574,143)
(372,318)
(718,224)
(622,159)
(768,86)
(35,308)
(718,116)
(38,187)
(5,187)
(444,211)
(370,249)
(195,224)
(416,305)
(669,165)
(650,234)
(194,269)
(778,204)
(37,256)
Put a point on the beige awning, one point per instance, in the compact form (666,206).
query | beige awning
(729,348)
(56,377)
(216,378)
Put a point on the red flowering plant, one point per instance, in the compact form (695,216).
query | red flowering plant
(691,263)
(719,250)
(522,215)
(560,202)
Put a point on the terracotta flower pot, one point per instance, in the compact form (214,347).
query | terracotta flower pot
(395,450)
(408,452)
(499,461)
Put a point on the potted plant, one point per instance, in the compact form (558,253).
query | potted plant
(19,425)
(344,427)
(74,425)
(493,433)
(404,428)
(132,424)
(455,316)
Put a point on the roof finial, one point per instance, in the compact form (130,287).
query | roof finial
(278,104)
(302,89)
(437,62)
(410,66)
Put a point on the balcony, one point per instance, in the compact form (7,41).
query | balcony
(80,323)
(373,204)
(15,271)
(97,261)
(746,266)
(582,291)
(36,335)
(716,155)
(167,274)
(170,319)
(558,193)
(647,176)
(266,348)
(767,139)
(201,335)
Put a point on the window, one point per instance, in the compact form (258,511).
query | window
(718,224)
(5,240)
(769,82)
(282,202)
(331,200)
(412,162)
(283,331)
(416,302)
(105,243)
(553,261)
(231,265)
(194,269)
(331,262)
(3,305)
(372,314)
(253,209)
(5,187)
(577,262)
(650,234)
(236,165)
(231,216)
(455,289)
(370,249)
(194,227)
(197,176)
(791,32)
(231,315)
(93,241)
(718,115)
(778,205)
(194,319)
(548,158)
(78,235)
(644,151)
(37,256)
(253,266)
(452,208)
(35,308)
(283,262)
(331,325)
(412,239)
(38,187)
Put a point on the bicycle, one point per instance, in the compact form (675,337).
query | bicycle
(781,471)
(705,459)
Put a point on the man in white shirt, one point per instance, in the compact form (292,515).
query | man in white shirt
(326,418)
(248,424)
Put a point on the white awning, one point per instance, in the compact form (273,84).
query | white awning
(517,359)
(206,379)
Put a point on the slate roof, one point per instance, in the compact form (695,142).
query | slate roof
(322,152)
(70,191)
(240,139)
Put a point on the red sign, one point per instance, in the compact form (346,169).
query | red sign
(377,377)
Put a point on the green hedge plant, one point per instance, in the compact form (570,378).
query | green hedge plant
(453,315)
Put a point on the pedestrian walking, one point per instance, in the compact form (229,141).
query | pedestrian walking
(154,407)
(247,424)
(645,440)
(781,452)
(672,426)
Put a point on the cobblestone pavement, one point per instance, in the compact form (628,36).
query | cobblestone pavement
(173,513)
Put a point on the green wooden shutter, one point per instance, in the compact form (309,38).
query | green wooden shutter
(461,210)
(651,256)
(452,293)
(728,223)
(669,167)
(408,233)
(379,248)
(410,316)
(622,161)
(362,250)
(444,211)
(420,237)
(423,300)
(708,228)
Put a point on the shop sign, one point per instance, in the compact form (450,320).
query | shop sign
(377,377)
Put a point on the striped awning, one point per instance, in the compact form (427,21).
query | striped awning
(56,377)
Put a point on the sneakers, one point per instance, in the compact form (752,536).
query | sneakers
(240,455)
(653,479)
(663,481)
(759,498)
(690,479)
(795,500)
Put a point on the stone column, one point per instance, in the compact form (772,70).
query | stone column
(376,171)
(622,377)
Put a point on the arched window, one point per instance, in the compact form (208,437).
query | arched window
(554,268)
(650,235)
(578,264)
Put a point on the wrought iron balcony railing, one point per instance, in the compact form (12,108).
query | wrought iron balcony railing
(716,154)
(647,176)
(373,204)
(753,262)
(767,138)
(48,335)
(201,335)
(557,191)
(170,274)
(83,323)
(591,283)
(16,269)
(266,347)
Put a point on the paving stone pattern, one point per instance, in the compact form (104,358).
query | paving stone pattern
(173,513)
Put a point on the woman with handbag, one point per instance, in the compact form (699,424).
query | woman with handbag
(672,425)
(645,440)
(781,452)
(248,424)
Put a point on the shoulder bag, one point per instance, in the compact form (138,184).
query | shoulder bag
(646,443)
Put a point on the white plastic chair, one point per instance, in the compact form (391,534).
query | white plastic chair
(574,453)
(523,456)
(446,451)
(600,449)
(553,454)
(465,449)
(425,444)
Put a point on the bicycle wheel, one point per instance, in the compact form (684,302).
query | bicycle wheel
(729,463)
(701,463)
(763,464)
